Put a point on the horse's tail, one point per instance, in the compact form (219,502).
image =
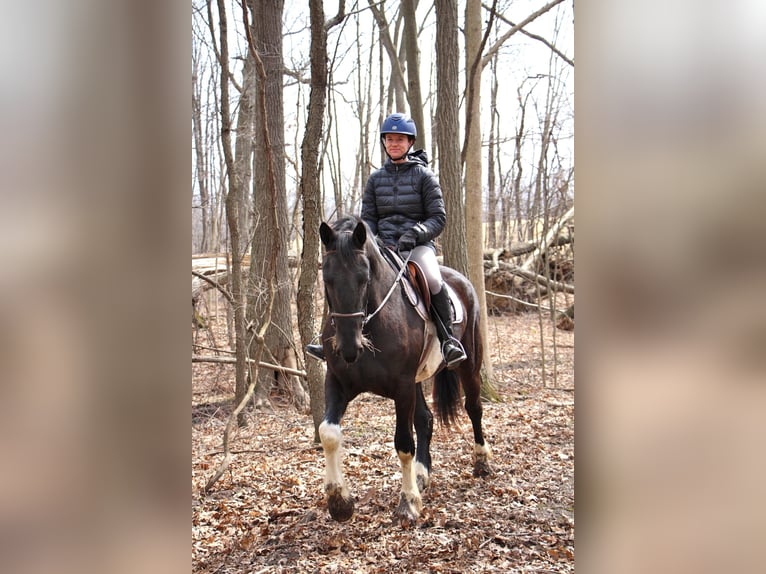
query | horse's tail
(446,396)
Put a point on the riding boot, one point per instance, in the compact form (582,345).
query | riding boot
(316,351)
(441,312)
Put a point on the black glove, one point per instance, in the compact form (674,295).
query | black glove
(407,241)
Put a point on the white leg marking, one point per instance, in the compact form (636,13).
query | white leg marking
(422,471)
(482,452)
(332,441)
(410,491)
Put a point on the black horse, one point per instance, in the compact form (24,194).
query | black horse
(376,341)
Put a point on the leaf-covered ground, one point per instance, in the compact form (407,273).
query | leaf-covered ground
(267,512)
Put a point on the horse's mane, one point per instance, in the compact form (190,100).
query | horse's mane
(345,244)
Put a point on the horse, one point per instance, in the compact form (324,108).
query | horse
(374,339)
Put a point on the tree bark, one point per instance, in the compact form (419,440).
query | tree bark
(233,203)
(311,195)
(413,70)
(474,197)
(397,74)
(271,218)
(447,130)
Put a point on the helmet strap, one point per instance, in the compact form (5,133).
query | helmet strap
(383,142)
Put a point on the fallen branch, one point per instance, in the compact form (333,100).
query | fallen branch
(547,240)
(232,360)
(542,280)
(533,305)
(215,284)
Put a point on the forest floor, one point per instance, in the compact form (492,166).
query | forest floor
(267,512)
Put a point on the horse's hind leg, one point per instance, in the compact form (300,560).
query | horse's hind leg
(482,453)
(424,426)
(410,503)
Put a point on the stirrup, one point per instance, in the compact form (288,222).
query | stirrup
(316,351)
(454,348)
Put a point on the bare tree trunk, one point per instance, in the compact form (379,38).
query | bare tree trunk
(474,198)
(447,130)
(491,185)
(397,74)
(233,204)
(271,219)
(518,166)
(413,70)
(310,192)
(199,150)
(243,152)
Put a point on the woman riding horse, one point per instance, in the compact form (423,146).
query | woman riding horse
(403,205)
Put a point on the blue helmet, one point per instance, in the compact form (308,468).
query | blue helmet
(399,123)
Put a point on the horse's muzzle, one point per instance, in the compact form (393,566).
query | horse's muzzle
(351,354)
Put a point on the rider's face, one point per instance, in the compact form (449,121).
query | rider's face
(396,144)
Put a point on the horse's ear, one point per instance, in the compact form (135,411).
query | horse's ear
(326,234)
(360,235)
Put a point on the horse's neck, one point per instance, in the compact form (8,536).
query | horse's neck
(382,280)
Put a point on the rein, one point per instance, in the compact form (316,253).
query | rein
(368,318)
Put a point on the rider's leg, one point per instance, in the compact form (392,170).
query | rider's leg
(441,308)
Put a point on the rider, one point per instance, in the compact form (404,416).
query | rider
(403,205)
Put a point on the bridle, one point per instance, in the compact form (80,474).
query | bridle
(365,317)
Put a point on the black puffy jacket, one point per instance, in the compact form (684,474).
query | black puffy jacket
(398,197)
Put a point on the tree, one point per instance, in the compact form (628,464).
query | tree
(397,74)
(473,190)
(472,146)
(414,96)
(310,193)
(233,204)
(447,129)
(269,125)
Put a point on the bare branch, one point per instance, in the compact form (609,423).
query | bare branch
(519,301)
(232,360)
(533,36)
(338,18)
(500,41)
(215,284)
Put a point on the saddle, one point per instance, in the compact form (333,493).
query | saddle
(415,288)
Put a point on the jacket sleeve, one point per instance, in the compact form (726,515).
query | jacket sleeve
(433,206)
(369,207)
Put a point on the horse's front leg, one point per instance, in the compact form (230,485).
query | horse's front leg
(410,503)
(340,503)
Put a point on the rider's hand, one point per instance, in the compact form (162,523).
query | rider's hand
(407,241)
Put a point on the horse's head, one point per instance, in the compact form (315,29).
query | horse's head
(346,274)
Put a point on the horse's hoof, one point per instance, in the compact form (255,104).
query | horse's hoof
(481,468)
(408,510)
(340,507)
(423,482)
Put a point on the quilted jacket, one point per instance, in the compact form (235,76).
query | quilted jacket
(398,197)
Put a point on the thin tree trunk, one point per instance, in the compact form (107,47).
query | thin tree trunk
(474,197)
(491,185)
(233,203)
(201,160)
(271,219)
(447,130)
(413,70)
(310,192)
(243,151)
(397,74)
